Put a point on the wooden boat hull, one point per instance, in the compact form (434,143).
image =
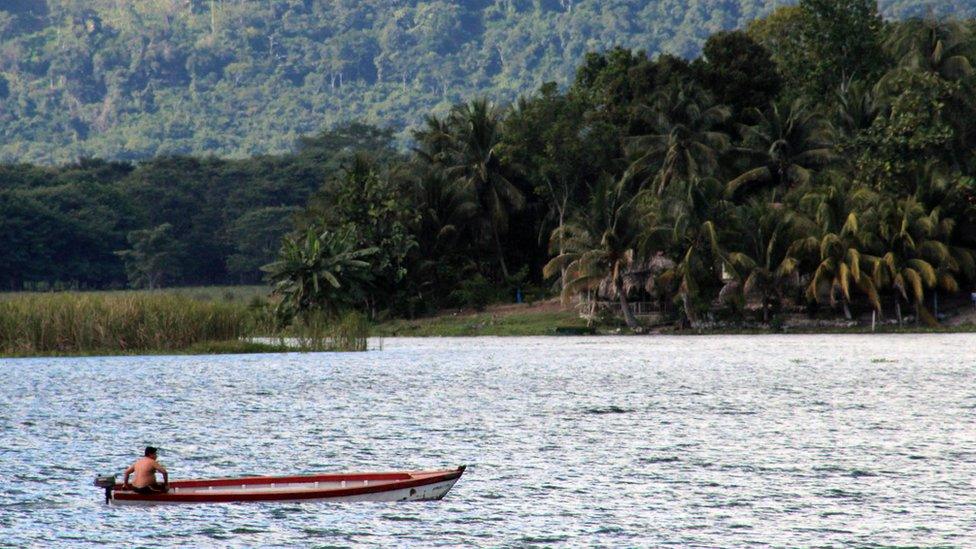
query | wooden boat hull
(345,487)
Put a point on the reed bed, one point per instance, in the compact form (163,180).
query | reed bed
(77,323)
(73,323)
(318,332)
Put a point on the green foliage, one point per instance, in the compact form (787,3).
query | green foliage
(62,226)
(475,292)
(154,254)
(133,80)
(738,71)
(841,40)
(256,237)
(781,34)
(912,132)
(319,271)
(789,166)
(372,208)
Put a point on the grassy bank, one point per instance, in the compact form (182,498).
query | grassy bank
(505,321)
(97,323)
(544,318)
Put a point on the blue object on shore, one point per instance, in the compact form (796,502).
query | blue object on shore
(518,295)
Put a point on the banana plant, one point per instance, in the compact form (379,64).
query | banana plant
(319,270)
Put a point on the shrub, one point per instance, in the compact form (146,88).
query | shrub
(476,292)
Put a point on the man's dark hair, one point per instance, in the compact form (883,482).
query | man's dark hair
(150,450)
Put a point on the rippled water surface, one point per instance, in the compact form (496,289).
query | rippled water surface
(688,441)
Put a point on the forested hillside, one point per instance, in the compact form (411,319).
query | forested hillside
(819,160)
(132,80)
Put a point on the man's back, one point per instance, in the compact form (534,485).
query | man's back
(145,471)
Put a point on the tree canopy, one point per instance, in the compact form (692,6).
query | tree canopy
(725,184)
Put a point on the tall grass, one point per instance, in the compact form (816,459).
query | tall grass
(152,322)
(69,323)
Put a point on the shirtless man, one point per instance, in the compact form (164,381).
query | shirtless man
(145,469)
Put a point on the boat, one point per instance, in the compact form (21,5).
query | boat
(390,486)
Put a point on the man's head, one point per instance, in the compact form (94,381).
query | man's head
(150,452)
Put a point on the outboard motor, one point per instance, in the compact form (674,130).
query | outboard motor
(107,482)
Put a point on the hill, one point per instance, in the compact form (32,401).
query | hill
(235,78)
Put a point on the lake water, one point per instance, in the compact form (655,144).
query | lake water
(629,441)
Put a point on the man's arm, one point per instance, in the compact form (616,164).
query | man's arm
(129,471)
(162,470)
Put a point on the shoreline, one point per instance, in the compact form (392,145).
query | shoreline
(500,331)
(543,319)
(251,348)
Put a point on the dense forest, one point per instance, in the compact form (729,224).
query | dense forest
(820,159)
(236,78)
(173,220)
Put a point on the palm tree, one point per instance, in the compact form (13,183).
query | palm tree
(684,144)
(942,47)
(433,140)
(916,256)
(444,213)
(318,270)
(835,251)
(444,209)
(693,212)
(597,244)
(840,268)
(855,108)
(787,144)
(765,267)
(945,49)
(474,132)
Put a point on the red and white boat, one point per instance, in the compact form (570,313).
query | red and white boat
(393,486)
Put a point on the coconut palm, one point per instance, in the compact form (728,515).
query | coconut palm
(444,213)
(694,211)
(787,145)
(943,47)
(444,209)
(835,251)
(433,140)
(916,256)
(685,143)
(474,133)
(855,108)
(764,265)
(319,270)
(598,243)
(841,267)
